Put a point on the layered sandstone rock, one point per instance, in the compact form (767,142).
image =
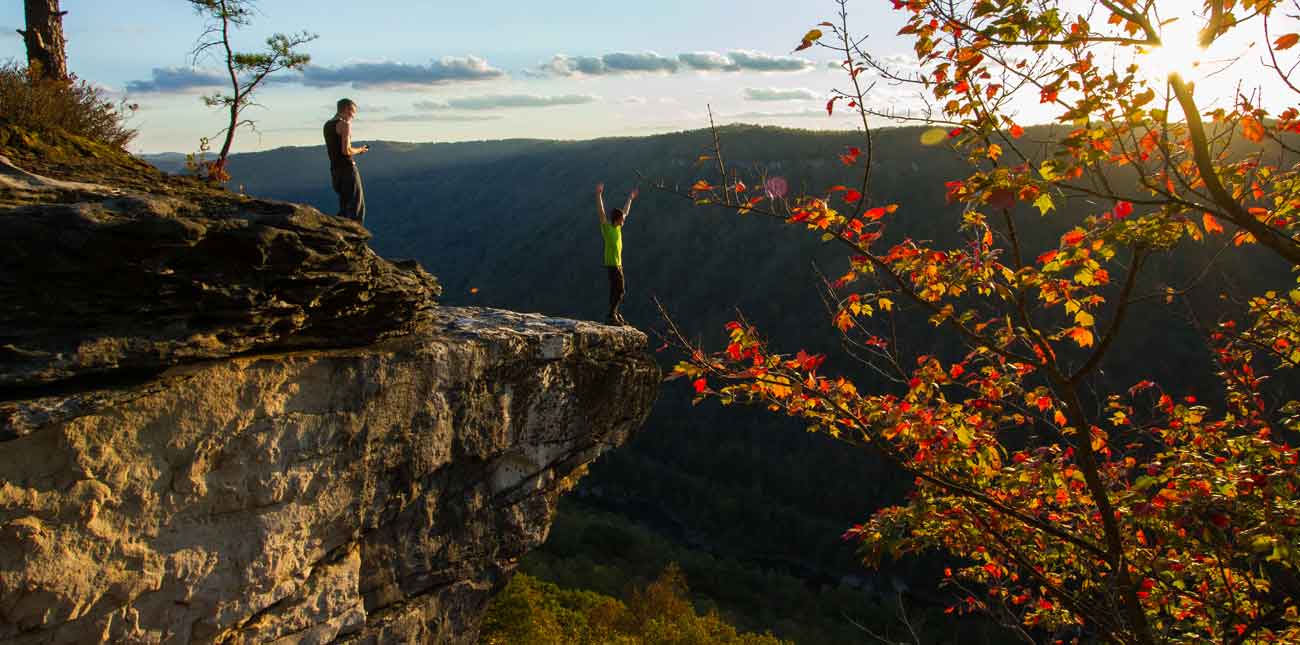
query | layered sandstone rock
(224,420)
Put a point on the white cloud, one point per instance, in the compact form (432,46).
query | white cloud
(427,117)
(395,75)
(615,63)
(563,65)
(179,79)
(778,94)
(505,101)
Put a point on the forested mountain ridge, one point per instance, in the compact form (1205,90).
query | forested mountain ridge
(512,224)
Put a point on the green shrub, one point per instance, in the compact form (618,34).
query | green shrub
(76,107)
(532,612)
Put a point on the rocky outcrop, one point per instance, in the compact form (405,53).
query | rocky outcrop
(259,432)
(96,279)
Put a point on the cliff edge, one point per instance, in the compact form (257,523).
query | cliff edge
(225,420)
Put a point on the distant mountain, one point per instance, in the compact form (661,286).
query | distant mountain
(173,162)
(513,224)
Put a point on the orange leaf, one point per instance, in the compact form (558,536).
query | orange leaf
(1211,225)
(874,214)
(1081,336)
(1286,42)
(1252,129)
(1017,132)
(844,321)
(1073,237)
(702,186)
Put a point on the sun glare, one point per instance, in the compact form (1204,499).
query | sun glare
(1179,52)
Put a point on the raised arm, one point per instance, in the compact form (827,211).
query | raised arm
(627,208)
(600,201)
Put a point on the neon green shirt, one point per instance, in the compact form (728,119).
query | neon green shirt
(613,244)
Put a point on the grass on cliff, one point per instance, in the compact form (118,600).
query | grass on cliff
(75,107)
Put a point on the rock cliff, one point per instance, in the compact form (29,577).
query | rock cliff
(225,420)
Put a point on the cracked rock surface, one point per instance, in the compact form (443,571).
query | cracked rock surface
(97,279)
(322,456)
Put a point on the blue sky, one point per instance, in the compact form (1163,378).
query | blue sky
(480,66)
(557,69)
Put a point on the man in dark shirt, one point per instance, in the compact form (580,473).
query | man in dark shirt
(344,176)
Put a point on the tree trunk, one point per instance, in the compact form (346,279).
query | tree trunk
(46,56)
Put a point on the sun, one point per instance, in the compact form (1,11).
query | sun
(1179,52)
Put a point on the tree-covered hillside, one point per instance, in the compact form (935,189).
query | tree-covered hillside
(513,224)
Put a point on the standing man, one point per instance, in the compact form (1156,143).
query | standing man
(344,175)
(612,232)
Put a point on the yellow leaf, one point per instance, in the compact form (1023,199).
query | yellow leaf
(885,303)
(1084,319)
(933,136)
(1044,204)
(1048,170)
(995,151)
(812,36)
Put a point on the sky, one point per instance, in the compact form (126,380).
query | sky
(445,70)
(455,70)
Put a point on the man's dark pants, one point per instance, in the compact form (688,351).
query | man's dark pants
(352,199)
(615,290)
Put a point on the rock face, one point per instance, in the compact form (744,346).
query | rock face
(262,433)
(96,279)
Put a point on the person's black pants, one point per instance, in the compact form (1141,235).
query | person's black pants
(352,199)
(616,289)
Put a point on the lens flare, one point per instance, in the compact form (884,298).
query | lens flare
(1179,51)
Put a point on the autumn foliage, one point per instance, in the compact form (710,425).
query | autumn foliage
(1133,514)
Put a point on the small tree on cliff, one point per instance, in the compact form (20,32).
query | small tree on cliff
(246,71)
(46,49)
(1132,514)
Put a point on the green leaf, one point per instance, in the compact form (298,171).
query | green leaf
(1146,481)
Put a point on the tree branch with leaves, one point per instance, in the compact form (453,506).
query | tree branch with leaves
(245,70)
(1122,512)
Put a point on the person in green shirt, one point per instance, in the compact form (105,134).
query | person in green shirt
(611,230)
